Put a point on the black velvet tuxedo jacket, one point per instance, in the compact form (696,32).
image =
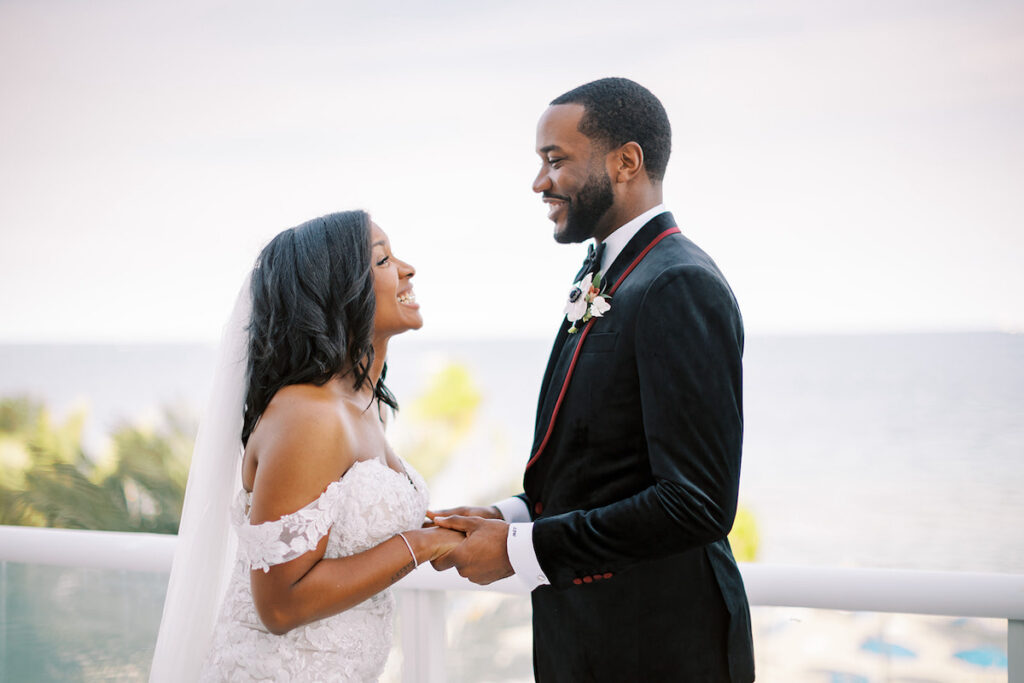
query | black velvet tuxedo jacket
(634,476)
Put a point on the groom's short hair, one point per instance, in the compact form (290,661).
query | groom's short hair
(617,111)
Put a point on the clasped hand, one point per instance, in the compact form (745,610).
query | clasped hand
(483,556)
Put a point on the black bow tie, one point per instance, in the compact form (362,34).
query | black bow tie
(592,263)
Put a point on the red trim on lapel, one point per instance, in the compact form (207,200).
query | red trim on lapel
(583,336)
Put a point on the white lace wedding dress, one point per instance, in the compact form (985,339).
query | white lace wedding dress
(367,506)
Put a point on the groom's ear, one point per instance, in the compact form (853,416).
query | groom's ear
(627,162)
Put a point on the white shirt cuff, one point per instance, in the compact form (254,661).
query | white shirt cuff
(522,556)
(513,510)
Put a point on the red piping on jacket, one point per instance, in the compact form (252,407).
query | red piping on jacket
(583,336)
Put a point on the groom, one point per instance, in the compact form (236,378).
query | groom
(631,485)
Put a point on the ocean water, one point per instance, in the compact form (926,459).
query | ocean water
(876,450)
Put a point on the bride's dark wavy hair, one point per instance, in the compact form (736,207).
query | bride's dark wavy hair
(312,311)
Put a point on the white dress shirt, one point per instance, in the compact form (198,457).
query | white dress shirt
(521,553)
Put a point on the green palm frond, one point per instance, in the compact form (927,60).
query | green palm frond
(139,488)
(66,498)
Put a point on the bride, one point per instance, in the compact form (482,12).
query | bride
(325,515)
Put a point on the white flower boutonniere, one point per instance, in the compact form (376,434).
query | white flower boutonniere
(586,301)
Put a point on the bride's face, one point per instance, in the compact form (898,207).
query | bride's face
(397,310)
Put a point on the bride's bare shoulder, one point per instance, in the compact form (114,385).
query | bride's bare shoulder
(303,409)
(304,440)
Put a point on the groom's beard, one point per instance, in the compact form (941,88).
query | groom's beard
(586,209)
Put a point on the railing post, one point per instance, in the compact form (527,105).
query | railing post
(1015,650)
(423,635)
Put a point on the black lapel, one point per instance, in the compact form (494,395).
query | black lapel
(555,376)
(639,241)
(558,365)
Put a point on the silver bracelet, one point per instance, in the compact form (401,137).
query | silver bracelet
(414,562)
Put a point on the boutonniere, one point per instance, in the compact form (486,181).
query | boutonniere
(586,301)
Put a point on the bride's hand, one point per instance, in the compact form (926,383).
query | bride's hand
(430,543)
(488,512)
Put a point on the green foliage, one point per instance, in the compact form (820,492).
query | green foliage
(47,480)
(19,415)
(451,396)
(441,418)
(744,538)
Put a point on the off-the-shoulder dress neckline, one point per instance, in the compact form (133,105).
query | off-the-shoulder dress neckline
(380,460)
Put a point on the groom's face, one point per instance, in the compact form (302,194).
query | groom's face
(573,178)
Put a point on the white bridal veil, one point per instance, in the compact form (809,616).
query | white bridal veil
(206,543)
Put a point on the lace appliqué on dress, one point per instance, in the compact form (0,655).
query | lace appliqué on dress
(367,506)
(283,540)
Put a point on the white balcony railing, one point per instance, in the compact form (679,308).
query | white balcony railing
(421,594)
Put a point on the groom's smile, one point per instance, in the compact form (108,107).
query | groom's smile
(555,203)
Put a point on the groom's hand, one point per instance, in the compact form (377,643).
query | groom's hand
(483,556)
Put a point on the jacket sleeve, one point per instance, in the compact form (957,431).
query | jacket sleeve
(689,345)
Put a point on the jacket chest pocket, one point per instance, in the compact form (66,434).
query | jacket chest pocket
(601,342)
(597,373)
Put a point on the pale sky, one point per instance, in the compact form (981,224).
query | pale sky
(852,166)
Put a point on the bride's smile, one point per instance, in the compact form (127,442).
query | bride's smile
(392,282)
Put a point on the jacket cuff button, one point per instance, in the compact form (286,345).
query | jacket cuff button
(607,575)
(577,581)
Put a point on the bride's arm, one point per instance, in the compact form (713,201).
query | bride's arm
(302,447)
(306,589)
